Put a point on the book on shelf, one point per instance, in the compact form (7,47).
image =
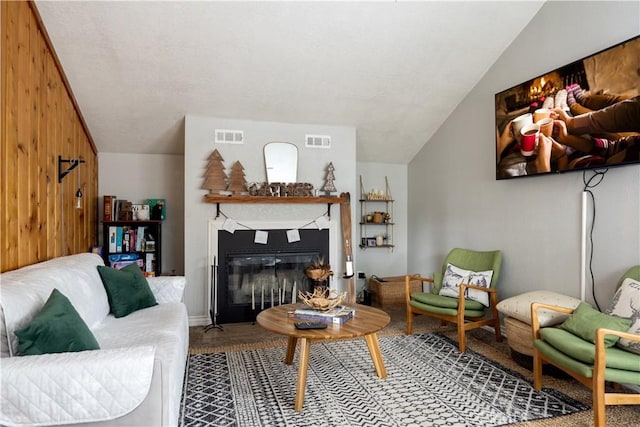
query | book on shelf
(140,239)
(126,241)
(112,238)
(107,208)
(118,239)
(337,315)
(157,208)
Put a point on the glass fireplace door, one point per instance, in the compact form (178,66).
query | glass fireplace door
(251,277)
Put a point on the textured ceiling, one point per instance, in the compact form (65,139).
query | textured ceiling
(395,71)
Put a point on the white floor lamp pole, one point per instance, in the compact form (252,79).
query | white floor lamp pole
(583,249)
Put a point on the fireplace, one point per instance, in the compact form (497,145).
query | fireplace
(247,277)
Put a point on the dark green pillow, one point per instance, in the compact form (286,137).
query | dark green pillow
(127,289)
(585,320)
(57,328)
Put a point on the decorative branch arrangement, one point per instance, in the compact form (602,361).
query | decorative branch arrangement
(319,300)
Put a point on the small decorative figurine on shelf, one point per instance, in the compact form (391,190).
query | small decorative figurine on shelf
(237,182)
(215,180)
(329,186)
(376,194)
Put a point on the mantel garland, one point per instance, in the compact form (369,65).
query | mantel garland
(230,225)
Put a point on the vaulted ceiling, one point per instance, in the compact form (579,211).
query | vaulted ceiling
(393,70)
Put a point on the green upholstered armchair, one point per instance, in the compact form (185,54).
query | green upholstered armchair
(469,306)
(590,359)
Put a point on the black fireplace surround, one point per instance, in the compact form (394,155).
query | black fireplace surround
(251,277)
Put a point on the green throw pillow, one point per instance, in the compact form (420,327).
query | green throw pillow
(127,289)
(57,328)
(585,320)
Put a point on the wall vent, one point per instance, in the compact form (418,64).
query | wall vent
(317,141)
(226,136)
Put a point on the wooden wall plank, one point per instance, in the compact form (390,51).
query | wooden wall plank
(3,132)
(35,70)
(41,193)
(57,149)
(51,215)
(24,134)
(10,209)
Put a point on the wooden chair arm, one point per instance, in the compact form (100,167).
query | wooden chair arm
(535,323)
(600,362)
(493,296)
(479,288)
(407,284)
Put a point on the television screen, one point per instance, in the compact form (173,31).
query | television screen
(583,115)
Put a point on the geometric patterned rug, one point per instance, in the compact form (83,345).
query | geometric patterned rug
(429,383)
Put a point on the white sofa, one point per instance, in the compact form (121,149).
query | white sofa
(136,376)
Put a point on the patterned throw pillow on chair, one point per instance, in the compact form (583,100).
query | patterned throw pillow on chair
(626,303)
(454,276)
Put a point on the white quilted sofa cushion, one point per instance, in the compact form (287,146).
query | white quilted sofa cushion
(167,288)
(24,292)
(39,390)
(164,326)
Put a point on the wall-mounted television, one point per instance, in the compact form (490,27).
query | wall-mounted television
(535,131)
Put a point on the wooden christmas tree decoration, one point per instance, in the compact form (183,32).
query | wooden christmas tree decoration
(215,180)
(237,181)
(329,186)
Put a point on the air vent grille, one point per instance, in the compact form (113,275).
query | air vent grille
(317,141)
(227,136)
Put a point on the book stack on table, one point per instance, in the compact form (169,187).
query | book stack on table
(337,315)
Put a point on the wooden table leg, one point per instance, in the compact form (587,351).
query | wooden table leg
(376,355)
(303,364)
(291,350)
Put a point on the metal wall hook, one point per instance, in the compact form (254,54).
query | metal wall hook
(62,173)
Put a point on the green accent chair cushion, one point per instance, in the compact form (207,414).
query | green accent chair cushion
(585,320)
(127,289)
(57,328)
(431,302)
(584,351)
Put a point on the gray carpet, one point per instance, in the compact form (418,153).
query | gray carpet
(429,383)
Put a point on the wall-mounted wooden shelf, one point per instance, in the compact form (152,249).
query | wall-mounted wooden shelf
(270,200)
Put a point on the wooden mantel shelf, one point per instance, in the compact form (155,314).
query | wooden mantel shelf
(329,200)
(268,199)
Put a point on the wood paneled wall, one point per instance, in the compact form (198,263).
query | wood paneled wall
(40,121)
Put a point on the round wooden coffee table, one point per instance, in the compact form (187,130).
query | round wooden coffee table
(366,322)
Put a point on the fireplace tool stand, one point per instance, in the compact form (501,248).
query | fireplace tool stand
(213,311)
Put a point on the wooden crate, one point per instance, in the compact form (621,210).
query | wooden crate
(389,291)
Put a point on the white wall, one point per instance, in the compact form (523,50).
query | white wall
(136,177)
(454,199)
(312,163)
(382,261)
